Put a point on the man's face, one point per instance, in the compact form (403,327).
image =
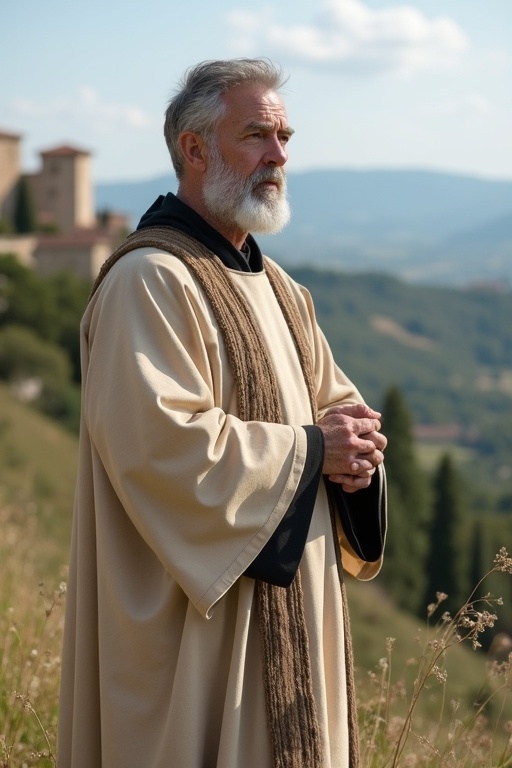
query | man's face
(245,184)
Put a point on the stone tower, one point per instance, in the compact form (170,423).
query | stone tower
(63,189)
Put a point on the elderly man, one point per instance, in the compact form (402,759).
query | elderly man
(228,472)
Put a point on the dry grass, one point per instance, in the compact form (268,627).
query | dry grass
(415,703)
(398,730)
(31,620)
(395,731)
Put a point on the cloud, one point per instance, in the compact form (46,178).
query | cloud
(125,140)
(114,114)
(350,36)
(85,109)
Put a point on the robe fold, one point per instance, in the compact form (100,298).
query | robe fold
(176,497)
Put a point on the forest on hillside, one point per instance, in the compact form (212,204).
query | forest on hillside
(449,351)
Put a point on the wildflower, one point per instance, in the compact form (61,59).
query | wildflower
(497,668)
(432,607)
(503,562)
(426,743)
(437,645)
(441,675)
(24,701)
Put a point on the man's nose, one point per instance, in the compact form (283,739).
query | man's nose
(276,154)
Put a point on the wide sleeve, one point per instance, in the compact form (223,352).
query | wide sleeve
(203,489)
(361,524)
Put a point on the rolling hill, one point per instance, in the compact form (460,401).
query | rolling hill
(422,226)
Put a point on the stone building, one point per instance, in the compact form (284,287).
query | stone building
(69,236)
(81,252)
(62,190)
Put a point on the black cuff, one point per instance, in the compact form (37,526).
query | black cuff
(279,559)
(363,516)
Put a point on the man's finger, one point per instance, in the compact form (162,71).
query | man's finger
(352,481)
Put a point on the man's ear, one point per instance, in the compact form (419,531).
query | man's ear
(194,151)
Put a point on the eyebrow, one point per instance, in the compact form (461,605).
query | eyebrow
(267,127)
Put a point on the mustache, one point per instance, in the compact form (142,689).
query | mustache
(274,175)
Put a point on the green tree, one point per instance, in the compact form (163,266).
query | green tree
(404,570)
(25,299)
(39,373)
(24,212)
(445,560)
(69,296)
(50,306)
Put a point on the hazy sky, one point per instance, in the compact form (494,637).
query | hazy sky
(373,83)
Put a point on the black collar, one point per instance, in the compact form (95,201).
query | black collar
(169,211)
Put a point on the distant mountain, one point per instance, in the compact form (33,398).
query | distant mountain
(480,254)
(422,226)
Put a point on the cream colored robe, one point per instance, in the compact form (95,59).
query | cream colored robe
(175,498)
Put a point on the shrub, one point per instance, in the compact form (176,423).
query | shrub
(38,372)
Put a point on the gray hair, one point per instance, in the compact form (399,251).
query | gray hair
(198,106)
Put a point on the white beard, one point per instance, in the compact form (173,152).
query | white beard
(233,199)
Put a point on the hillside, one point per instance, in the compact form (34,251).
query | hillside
(37,478)
(449,350)
(422,226)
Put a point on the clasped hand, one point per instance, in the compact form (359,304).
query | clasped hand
(353,445)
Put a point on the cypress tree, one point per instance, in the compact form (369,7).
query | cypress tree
(445,559)
(404,570)
(24,213)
